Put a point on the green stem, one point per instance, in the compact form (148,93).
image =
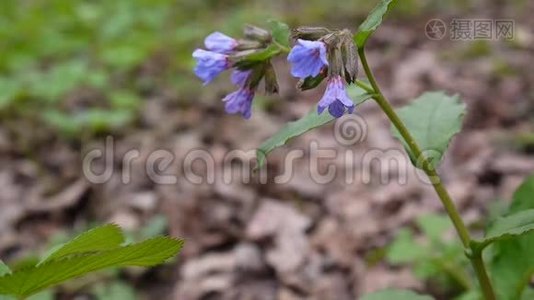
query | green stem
(482,275)
(450,208)
(365,86)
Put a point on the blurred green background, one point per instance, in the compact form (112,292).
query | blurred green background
(77,66)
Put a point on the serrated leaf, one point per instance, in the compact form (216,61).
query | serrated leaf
(512,264)
(510,226)
(98,239)
(32,280)
(395,295)
(280,32)
(310,121)
(371,23)
(432,119)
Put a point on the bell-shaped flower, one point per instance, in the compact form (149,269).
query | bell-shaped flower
(220,42)
(335,98)
(209,64)
(240,77)
(307,58)
(240,101)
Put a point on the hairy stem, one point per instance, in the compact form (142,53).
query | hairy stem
(448,204)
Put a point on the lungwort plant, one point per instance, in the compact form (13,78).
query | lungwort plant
(425,128)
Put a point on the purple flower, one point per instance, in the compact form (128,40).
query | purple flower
(239,77)
(210,64)
(220,42)
(240,101)
(307,58)
(335,98)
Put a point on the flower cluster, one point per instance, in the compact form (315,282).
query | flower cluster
(320,53)
(223,53)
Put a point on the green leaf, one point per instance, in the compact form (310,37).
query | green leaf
(310,121)
(426,269)
(4,269)
(124,56)
(115,291)
(470,295)
(405,249)
(374,19)
(98,239)
(59,80)
(9,88)
(32,280)
(523,196)
(44,295)
(255,57)
(310,82)
(512,264)
(437,259)
(102,120)
(528,294)
(432,119)
(434,226)
(25,262)
(260,55)
(123,99)
(395,295)
(280,32)
(516,224)
(62,121)
(95,120)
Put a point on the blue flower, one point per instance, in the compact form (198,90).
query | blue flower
(220,42)
(240,77)
(307,58)
(335,98)
(240,101)
(209,64)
